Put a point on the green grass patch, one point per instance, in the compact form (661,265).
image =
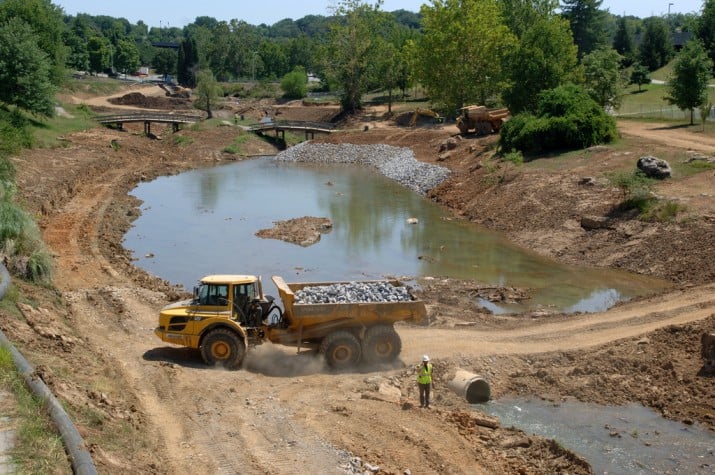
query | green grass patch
(663,73)
(182,140)
(38,448)
(92,85)
(638,196)
(8,304)
(684,168)
(662,211)
(517,158)
(650,103)
(241,139)
(21,243)
(232,149)
(75,117)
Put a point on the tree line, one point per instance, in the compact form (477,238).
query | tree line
(460,51)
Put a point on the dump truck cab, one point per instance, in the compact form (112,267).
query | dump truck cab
(224,316)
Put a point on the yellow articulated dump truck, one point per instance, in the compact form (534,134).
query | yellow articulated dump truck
(348,322)
(481,120)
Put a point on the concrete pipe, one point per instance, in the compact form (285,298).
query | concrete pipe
(470,386)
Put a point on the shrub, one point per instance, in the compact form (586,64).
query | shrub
(567,118)
(295,84)
(15,133)
(20,241)
(517,158)
(39,266)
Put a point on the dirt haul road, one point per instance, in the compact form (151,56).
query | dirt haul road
(93,342)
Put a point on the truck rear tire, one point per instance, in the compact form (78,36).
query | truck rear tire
(223,347)
(381,345)
(341,349)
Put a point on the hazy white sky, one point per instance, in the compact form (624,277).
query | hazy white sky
(181,12)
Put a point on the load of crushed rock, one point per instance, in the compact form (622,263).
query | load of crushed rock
(396,163)
(352,292)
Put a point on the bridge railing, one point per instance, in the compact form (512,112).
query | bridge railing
(292,124)
(144,116)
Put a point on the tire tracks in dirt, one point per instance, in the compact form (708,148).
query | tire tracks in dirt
(581,331)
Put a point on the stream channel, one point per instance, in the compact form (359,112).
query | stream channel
(625,440)
(204,222)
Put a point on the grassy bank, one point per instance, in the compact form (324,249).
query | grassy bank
(37,447)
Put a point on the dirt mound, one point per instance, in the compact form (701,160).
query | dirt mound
(303,231)
(138,99)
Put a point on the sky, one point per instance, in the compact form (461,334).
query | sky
(181,12)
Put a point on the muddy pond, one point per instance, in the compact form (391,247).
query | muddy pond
(205,222)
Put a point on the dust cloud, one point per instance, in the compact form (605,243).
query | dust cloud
(272,360)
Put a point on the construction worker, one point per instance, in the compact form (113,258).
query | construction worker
(424,381)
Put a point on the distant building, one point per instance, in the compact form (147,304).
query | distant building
(679,39)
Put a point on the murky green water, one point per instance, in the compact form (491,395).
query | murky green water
(625,440)
(204,222)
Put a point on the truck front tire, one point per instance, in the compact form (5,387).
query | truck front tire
(381,345)
(223,347)
(341,349)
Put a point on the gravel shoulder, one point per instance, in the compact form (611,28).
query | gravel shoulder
(147,408)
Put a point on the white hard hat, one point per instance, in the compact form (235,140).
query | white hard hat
(425,358)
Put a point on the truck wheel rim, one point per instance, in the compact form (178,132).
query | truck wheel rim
(220,350)
(342,353)
(383,348)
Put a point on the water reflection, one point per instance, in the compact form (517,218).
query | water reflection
(204,221)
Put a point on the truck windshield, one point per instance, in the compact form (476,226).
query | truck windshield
(213,294)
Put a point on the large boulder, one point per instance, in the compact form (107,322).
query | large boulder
(654,167)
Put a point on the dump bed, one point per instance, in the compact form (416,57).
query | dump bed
(484,113)
(315,320)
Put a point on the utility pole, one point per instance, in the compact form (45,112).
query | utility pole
(669,24)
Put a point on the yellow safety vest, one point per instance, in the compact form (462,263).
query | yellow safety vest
(425,374)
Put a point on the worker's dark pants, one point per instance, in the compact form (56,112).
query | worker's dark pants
(424,394)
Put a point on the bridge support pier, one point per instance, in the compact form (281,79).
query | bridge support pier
(147,127)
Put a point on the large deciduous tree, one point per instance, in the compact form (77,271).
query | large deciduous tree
(352,50)
(46,22)
(688,83)
(25,70)
(164,61)
(588,24)
(545,58)
(127,56)
(623,41)
(656,47)
(98,54)
(705,28)
(188,63)
(603,78)
(520,15)
(207,92)
(458,58)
